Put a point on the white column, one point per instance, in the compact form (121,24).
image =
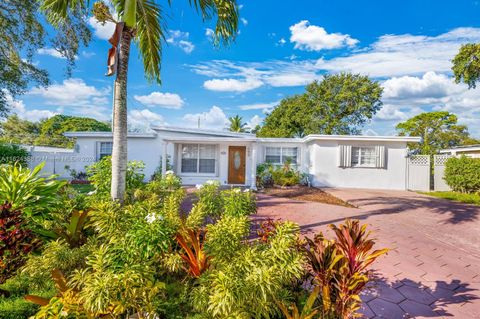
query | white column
(253,175)
(164,158)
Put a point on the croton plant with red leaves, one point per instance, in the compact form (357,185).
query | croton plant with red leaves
(16,241)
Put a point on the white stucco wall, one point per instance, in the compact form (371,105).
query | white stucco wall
(324,170)
(147,150)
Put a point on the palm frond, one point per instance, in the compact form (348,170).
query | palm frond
(226,12)
(57,11)
(150,33)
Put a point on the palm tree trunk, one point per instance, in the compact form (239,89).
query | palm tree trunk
(119,151)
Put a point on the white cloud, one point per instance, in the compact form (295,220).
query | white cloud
(390,112)
(88,54)
(314,38)
(244,21)
(265,107)
(232,85)
(166,100)
(180,39)
(281,42)
(405,54)
(215,118)
(291,79)
(142,120)
(209,33)
(72,92)
(51,52)
(103,32)
(18,107)
(254,121)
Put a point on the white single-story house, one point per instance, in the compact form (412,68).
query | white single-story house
(198,155)
(467,150)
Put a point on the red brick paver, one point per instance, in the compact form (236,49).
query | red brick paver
(433,268)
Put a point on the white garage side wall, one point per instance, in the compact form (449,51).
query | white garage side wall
(325,172)
(147,150)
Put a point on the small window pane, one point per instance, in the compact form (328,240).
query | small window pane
(289,154)
(105,149)
(207,166)
(273,155)
(189,158)
(368,156)
(355,156)
(207,151)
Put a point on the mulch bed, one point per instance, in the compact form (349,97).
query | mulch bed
(305,193)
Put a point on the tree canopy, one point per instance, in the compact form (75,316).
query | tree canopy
(466,64)
(438,130)
(22,35)
(338,104)
(47,132)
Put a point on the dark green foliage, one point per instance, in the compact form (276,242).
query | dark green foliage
(100,174)
(11,154)
(48,132)
(22,35)
(466,64)
(286,175)
(16,241)
(463,174)
(438,130)
(339,104)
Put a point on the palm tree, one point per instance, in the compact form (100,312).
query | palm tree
(236,124)
(142,21)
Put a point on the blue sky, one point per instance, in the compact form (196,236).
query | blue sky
(281,46)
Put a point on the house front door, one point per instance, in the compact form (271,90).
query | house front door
(236,164)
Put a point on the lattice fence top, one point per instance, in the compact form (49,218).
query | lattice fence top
(440,160)
(420,160)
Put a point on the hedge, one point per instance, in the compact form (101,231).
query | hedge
(10,154)
(462,174)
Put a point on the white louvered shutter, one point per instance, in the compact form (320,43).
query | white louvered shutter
(380,158)
(344,155)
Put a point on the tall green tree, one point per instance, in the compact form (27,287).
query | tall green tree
(466,65)
(142,21)
(438,130)
(22,35)
(338,104)
(237,124)
(47,132)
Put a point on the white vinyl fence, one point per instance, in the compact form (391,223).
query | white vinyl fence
(56,160)
(439,183)
(419,173)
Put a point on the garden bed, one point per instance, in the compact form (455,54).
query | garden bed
(305,193)
(457,197)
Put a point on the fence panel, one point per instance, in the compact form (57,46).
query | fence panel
(439,183)
(419,173)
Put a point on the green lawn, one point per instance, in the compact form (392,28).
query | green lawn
(458,197)
(83,188)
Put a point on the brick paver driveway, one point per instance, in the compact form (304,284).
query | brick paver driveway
(433,269)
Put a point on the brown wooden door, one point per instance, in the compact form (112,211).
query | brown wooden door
(236,164)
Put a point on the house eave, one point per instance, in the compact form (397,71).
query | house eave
(108,134)
(408,139)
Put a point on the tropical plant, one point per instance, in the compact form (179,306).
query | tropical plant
(209,198)
(100,175)
(226,237)
(139,20)
(248,284)
(192,241)
(13,154)
(340,267)
(25,189)
(462,174)
(236,124)
(238,203)
(16,241)
(309,310)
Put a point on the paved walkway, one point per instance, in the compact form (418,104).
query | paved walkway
(433,268)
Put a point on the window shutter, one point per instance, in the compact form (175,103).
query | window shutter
(345,156)
(380,160)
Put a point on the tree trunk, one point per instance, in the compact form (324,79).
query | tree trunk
(120,129)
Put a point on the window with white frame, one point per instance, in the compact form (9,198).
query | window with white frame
(198,159)
(280,155)
(364,156)
(104,149)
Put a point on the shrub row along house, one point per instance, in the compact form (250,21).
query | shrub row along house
(198,155)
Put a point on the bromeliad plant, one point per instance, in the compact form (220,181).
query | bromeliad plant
(340,267)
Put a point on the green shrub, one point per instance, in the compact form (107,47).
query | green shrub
(462,174)
(238,203)
(27,190)
(269,175)
(100,174)
(11,154)
(209,198)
